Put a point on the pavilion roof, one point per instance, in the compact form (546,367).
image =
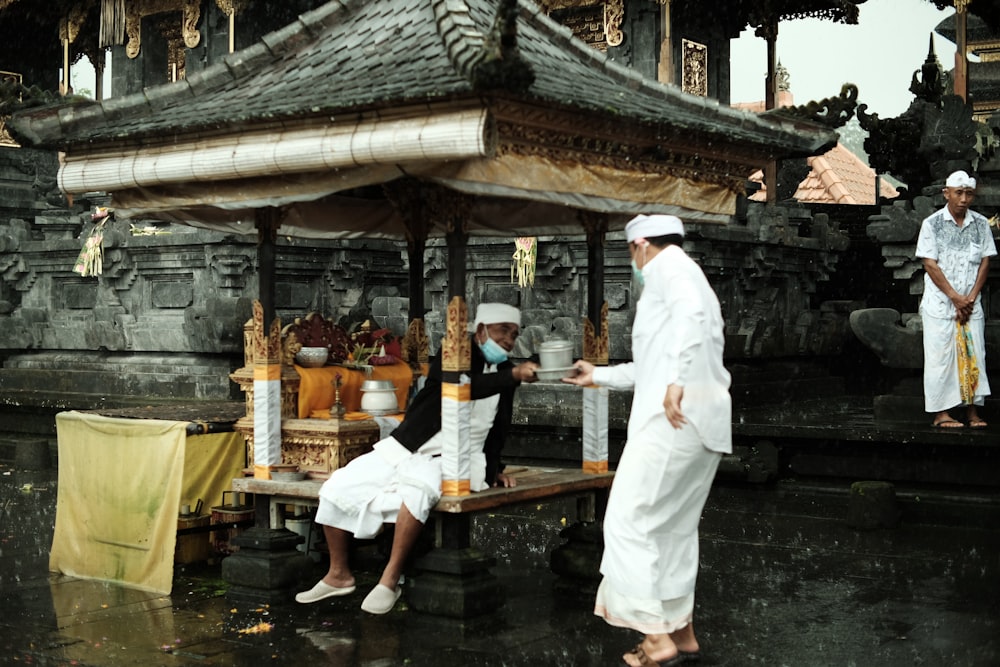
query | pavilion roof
(353,60)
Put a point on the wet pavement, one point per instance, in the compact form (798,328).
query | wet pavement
(784,582)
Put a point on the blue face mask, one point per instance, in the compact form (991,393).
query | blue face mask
(637,274)
(492,352)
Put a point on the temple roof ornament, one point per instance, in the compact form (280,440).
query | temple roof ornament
(832,112)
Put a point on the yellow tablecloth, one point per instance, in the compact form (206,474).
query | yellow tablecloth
(121,485)
(316,386)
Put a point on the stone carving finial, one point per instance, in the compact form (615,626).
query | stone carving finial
(931,84)
(784,79)
(933,137)
(502,65)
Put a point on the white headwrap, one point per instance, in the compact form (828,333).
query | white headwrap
(647,226)
(495,313)
(960,179)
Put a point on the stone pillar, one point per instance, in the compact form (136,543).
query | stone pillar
(454,578)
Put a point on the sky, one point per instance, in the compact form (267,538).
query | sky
(879,55)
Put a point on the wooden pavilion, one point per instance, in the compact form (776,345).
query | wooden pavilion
(409,120)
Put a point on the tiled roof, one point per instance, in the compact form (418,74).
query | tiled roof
(836,177)
(353,56)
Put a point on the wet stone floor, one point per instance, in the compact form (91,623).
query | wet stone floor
(784,582)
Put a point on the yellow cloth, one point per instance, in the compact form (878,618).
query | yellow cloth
(121,485)
(316,386)
(968,368)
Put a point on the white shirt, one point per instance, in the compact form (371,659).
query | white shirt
(677,338)
(958,252)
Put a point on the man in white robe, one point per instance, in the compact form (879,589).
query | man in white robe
(955,244)
(678,429)
(400,481)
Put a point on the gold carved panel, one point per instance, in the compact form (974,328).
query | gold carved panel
(16,79)
(190,14)
(598,24)
(694,68)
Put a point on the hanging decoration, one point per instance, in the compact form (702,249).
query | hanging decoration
(112,31)
(525,256)
(90,262)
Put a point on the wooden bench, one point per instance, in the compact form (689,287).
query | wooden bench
(454,578)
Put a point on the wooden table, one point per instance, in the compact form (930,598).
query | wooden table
(454,578)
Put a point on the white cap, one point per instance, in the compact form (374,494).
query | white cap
(960,179)
(647,226)
(495,313)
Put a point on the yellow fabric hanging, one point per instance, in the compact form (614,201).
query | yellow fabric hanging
(968,368)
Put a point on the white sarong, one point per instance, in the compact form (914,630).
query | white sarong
(942,390)
(370,490)
(650,561)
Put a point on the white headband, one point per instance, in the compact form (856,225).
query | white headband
(960,179)
(495,313)
(648,226)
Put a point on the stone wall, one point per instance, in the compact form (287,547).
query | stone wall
(164,320)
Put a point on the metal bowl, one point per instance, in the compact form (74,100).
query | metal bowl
(312,357)
(378,385)
(555,354)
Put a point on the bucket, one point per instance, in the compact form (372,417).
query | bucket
(196,547)
(302,524)
(226,516)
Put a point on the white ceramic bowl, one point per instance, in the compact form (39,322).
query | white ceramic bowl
(312,357)
(378,397)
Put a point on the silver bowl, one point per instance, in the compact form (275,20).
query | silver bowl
(312,357)
(556,353)
(378,385)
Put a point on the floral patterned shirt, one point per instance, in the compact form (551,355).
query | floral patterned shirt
(958,251)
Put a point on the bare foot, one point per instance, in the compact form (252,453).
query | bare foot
(339,581)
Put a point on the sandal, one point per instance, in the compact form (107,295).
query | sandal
(977,423)
(680,658)
(948,423)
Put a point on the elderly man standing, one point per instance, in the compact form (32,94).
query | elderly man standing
(400,481)
(955,244)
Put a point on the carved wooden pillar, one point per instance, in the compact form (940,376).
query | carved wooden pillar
(770,33)
(595,346)
(452,209)
(231,8)
(406,196)
(961,48)
(267,350)
(69,28)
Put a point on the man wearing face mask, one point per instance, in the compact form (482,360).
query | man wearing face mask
(400,480)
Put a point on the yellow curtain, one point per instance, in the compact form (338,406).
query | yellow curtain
(121,484)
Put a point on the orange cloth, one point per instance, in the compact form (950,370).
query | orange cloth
(316,386)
